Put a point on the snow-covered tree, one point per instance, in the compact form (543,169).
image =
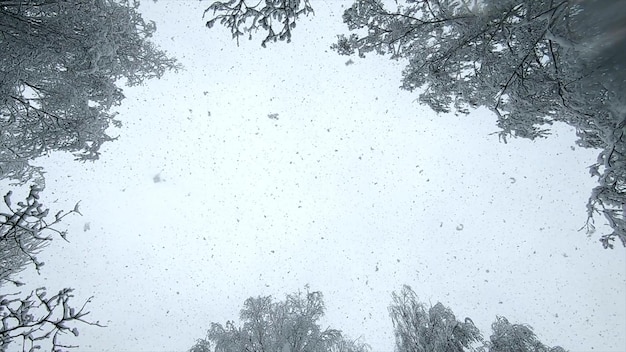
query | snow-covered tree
(435,329)
(532,63)
(291,325)
(268,325)
(60,66)
(421,329)
(509,337)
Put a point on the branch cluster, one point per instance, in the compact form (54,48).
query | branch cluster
(277,17)
(24,231)
(37,319)
(33,320)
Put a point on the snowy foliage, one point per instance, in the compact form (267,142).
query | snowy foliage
(60,65)
(289,325)
(531,62)
(277,17)
(418,329)
(421,329)
(509,337)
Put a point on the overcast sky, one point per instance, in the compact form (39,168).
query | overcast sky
(355,189)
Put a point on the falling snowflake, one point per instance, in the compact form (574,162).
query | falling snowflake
(273,116)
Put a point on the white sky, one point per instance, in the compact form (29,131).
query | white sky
(356,190)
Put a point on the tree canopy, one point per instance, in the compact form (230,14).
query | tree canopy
(533,63)
(268,325)
(509,337)
(421,329)
(291,325)
(418,329)
(61,64)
